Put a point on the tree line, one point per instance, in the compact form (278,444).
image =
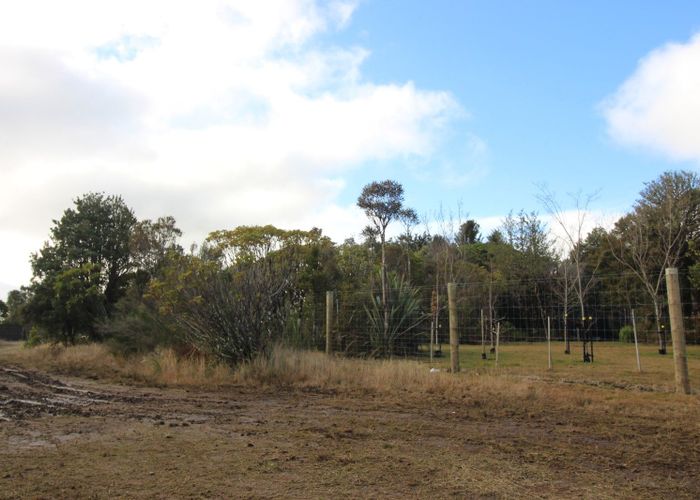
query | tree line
(105,276)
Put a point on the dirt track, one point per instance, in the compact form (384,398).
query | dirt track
(26,394)
(66,437)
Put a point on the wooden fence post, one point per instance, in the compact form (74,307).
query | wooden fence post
(432,323)
(454,334)
(675,311)
(329,322)
(636,343)
(483,340)
(498,339)
(549,345)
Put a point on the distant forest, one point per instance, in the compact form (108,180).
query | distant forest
(105,276)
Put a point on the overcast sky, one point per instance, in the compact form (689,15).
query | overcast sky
(224,113)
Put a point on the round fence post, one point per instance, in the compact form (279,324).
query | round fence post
(329,322)
(675,311)
(498,340)
(454,333)
(549,345)
(636,343)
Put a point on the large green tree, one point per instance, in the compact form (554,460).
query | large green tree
(80,274)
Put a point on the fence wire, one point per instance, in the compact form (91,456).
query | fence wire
(404,319)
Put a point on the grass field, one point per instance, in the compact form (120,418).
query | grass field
(614,363)
(79,423)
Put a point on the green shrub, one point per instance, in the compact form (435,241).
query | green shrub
(404,318)
(136,329)
(626,334)
(35,337)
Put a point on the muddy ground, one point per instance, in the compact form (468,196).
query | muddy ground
(63,437)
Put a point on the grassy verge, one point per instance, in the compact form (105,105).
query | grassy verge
(519,365)
(283,368)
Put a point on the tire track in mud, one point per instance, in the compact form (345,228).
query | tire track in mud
(26,394)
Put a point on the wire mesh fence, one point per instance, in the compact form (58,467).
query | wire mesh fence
(406,320)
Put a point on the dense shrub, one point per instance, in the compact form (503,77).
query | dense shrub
(136,328)
(626,334)
(234,313)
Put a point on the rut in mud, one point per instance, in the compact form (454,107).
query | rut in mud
(25,394)
(29,394)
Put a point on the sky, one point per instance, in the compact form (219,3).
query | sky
(223,113)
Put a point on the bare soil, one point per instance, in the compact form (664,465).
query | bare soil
(65,437)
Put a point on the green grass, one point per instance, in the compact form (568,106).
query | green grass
(614,362)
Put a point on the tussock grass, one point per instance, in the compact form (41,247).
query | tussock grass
(287,367)
(170,369)
(89,360)
(314,369)
(163,367)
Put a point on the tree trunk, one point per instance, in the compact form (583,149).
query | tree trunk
(437,310)
(385,293)
(586,354)
(567,345)
(660,333)
(408,266)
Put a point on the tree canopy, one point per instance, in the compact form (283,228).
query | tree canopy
(104,275)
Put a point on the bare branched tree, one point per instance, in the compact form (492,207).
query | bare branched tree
(563,289)
(572,239)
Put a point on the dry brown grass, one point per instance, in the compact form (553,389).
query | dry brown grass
(521,368)
(283,368)
(287,367)
(91,360)
(95,361)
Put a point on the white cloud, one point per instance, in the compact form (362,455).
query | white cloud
(574,223)
(572,220)
(17,249)
(49,111)
(658,106)
(219,113)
